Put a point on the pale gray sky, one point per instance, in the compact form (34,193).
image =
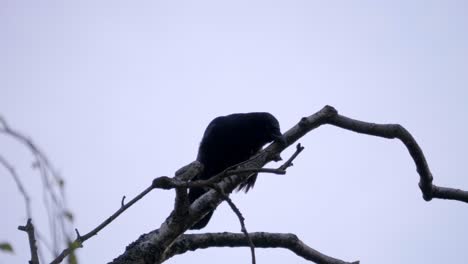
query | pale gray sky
(120,92)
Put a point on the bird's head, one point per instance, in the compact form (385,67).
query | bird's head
(271,128)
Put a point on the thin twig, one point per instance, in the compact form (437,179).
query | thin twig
(54,200)
(19,184)
(235,170)
(122,202)
(80,239)
(239,216)
(167,183)
(231,171)
(44,241)
(29,229)
(288,163)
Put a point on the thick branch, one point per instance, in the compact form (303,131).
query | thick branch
(449,193)
(184,174)
(192,242)
(428,189)
(152,248)
(328,115)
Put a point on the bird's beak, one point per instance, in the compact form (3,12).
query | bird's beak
(280,139)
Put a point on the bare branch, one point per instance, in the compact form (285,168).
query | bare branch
(19,184)
(3,123)
(289,163)
(428,189)
(29,229)
(153,247)
(122,202)
(193,168)
(181,188)
(186,173)
(328,115)
(167,183)
(192,242)
(241,218)
(449,193)
(80,239)
(53,184)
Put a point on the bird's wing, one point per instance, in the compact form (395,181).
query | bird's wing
(211,127)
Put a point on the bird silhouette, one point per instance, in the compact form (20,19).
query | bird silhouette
(229,140)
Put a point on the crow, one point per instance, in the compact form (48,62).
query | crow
(229,140)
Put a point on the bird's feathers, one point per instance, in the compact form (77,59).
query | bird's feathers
(229,140)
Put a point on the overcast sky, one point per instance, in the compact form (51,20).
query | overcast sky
(120,92)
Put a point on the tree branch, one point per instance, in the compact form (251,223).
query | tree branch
(192,242)
(29,229)
(153,247)
(78,242)
(289,163)
(53,185)
(328,115)
(186,173)
(391,131)
(167,183)
(241,220)
(19,184)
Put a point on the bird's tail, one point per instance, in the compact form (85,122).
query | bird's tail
(193,195)
(248,184)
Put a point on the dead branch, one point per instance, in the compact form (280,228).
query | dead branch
(78,242)
(154,246)
(191,170)
(289,163)
(169,240)
(391,131)
(241,218)
(192,242)
(167,183)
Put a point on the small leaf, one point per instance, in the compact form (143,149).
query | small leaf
(74,245)
(5,246)
(35,165)
(61,182)
(68,215)
(72,258)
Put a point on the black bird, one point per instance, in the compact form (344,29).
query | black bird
(229,140)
